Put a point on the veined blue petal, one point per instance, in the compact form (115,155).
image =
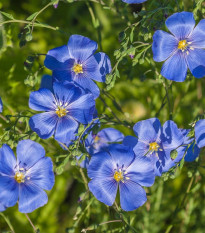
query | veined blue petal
(175,67)
(29,153)
(81,48)
(196,62)
(187,139)
(9,191)
(121,155)
(200,133)
(141,171)
(192,153)
(1,105)
(41,174)
(42,100)
(66,93)
(148,130)
(63,75)
(101,166)
(104,190)
(2,207)
(44,124)
(141,148)
(134,1)
(164,45)
(82,109)
(181,24)
(31,197)
(65,129)
(110,135)
(47,82)
(88,85)
(61,53)
(197,38)
(172,136)
(7,161)
(130,141)
(132,195)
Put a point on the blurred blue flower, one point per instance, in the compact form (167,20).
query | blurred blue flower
(64,108)
(134,1)
(1,105)
(200,133)
(2,207)
(118,166)
(182,49)
(76,62)
(100,141)
(26,178)
(154,141)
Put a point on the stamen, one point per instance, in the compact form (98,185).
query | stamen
(153,146)
(61,112)
(182,45)
(19,177)
(78,68)
(118,176)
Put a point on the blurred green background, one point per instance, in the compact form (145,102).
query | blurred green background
(138,94)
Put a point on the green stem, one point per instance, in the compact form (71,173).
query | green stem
(34,228)
(8,222)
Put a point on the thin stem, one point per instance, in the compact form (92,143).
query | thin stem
(34,228)
(8,222)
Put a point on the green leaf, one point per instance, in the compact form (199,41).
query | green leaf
(9,16)
(32,16)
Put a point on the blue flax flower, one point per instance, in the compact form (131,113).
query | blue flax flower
(154,141)
(134,1)
(118,166)
(182,49)
(64,108)
(25,178)
(200,133)
(100,141)
(76,62)
(1,105)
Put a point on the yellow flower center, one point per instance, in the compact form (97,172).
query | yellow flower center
(78,68)
(61,112)
(96,139)
(19,177)
(118,176)
(153,146)
(182,45)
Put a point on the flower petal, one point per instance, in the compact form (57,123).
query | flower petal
(121,155)
(88,85)
(198,36)
(7,161)
(134,1)
(31,197)
(2,207)
(29,153)
(101,166)
(148,130)
(44,124)
(41,174)
(141,148)
(42,100)
(195,61)
(63,75)
(130,141)
(65,129)
(82,109)
(81,48)
(110,135)
(172,136)
(181,24)
(66,93)
(192,153)
(47,82)
(132,195)
(164,45)
(200,133)
(9,191)
(141,171)
(104,190)
(1,105)
(175,67)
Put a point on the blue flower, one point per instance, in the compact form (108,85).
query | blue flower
(25,178)
(1,105)
(64,108)
(76,62)
(134,1)
(2,207)
(118,166)
(100,141)
(200,133)
(182,49)
(154,141)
